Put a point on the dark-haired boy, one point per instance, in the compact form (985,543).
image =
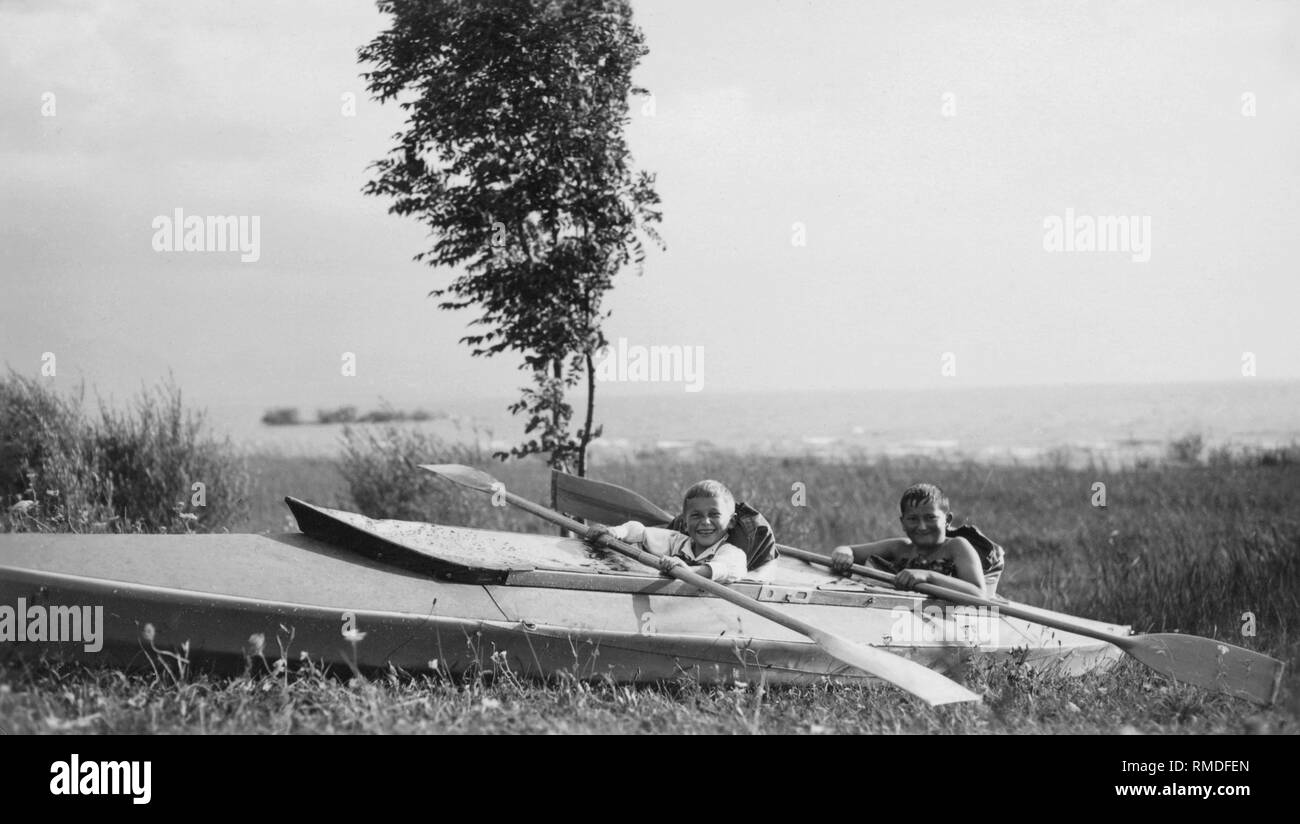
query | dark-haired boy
(929,553)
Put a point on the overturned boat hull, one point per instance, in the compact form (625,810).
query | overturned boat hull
(420,597)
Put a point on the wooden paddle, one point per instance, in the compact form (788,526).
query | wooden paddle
(924,683)
(1190,659)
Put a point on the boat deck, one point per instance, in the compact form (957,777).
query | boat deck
(213,594)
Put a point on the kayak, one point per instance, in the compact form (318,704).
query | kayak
(351,590)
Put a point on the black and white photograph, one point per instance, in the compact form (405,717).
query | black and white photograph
(627,367)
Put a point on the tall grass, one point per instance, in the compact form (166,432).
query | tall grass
(274,475)
(48,476)
(304,698)
(146,468)
(381,468)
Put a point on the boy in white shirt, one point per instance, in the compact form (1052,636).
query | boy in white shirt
(708,512)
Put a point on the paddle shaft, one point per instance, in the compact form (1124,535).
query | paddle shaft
(936,591)
(679,572)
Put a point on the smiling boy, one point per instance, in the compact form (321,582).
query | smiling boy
(928,554)
(708,512)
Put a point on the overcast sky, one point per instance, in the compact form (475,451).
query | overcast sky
(921,146)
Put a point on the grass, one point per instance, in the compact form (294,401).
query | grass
(152,466)
(275,475)
(1203,547)
(52,698)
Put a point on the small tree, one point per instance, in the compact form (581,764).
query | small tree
(513,154)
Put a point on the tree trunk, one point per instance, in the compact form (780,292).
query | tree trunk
(558,460)
(591,408)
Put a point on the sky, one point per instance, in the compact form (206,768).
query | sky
(855,195)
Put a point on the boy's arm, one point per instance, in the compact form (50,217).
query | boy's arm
(657,540)
(970,572)
(632,532)
(842,557)
(654,540)
(887,549)
(728,564)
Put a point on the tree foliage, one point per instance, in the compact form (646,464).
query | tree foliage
(513,154)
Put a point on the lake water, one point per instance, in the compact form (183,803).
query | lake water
(1027,424)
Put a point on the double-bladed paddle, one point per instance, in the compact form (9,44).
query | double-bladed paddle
(1190,659)
(924,683)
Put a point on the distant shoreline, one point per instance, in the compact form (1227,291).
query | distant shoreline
(342,415)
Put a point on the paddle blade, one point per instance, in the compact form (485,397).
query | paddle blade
(603,502)
(926,684)
(1211,664)
(466,476)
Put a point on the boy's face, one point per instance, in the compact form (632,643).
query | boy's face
(925,524)
(707,520)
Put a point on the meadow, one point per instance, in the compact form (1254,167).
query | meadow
(1178,547)
(1207,545)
